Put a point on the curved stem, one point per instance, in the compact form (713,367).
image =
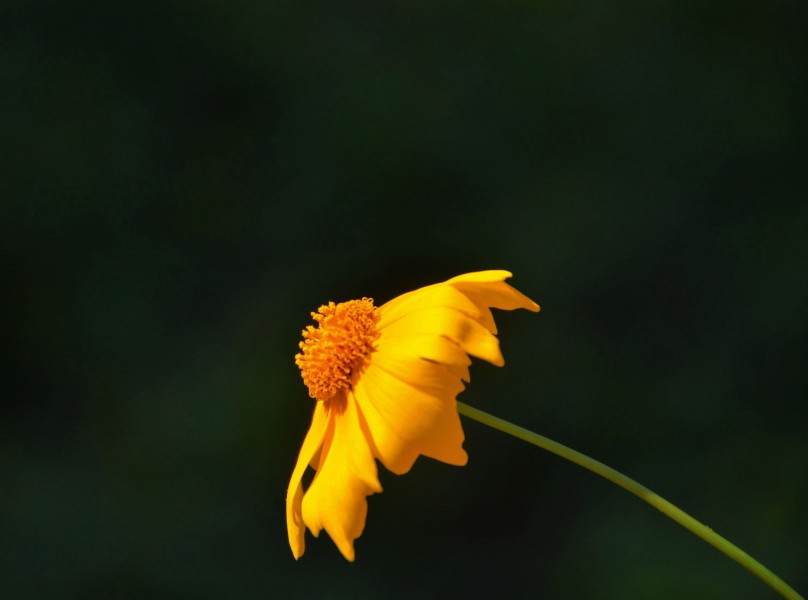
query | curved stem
(678,515)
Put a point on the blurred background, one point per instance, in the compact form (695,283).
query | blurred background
(182,183)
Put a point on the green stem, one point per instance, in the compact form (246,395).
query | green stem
(681,517)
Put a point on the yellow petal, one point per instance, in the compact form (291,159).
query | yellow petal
(436,349)
(443,438)
(337,497)
(469,334)
(429,376)
(431,296)
(294,495)
(488,288)
(404,405)
(482,276)
(445,442)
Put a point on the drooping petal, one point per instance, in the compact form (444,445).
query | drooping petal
(406,403)
(346,474)
(295,527)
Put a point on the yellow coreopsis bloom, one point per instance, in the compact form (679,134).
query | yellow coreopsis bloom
(385,380)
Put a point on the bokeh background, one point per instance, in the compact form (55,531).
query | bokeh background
(183,182)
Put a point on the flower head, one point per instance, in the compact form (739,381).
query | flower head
(385,380)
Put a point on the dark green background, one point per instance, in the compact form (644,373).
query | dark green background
(183,182)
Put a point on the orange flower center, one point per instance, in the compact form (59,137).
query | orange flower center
(338,347)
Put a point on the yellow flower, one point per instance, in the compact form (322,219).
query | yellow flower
(385,380)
